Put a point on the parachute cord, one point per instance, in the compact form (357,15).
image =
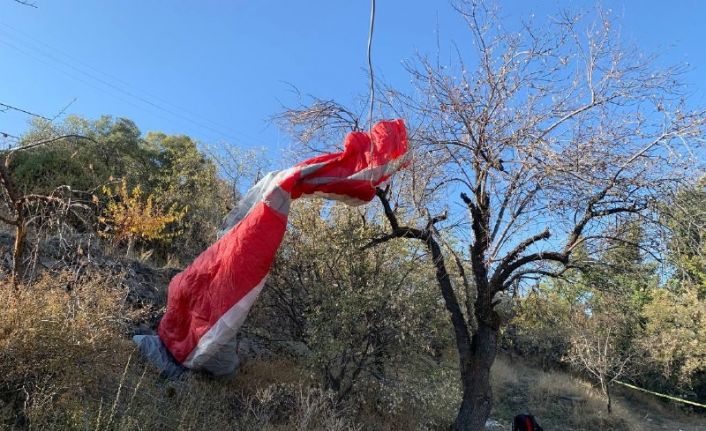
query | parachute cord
(370,62)
(372,80)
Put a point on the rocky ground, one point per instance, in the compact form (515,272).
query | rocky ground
(145,284)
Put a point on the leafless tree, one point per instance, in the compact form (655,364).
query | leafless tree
(320,121)
(594,350)
(546,135)
(240,168)
(20,209)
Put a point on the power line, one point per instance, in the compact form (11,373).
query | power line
(14,108)
(112,85)
(370,63)
(121,90)
(372,79)
(113,77)
(26,3)
(78,78)
(88,83)
(9,135)
(24,111)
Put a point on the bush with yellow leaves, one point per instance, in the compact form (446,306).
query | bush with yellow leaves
(130,216)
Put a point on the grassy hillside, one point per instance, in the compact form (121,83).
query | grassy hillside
(66,362)
(563,402)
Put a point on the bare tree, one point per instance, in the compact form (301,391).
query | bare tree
(20,209)
(594,350)
(238,167)
(555,132)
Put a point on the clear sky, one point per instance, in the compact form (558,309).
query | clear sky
(218,70)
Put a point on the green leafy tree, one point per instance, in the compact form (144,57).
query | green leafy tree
(361,314)
(675,337)
(173,170)
(686,216)
(675,328)
(540,327)
(114,151)
(181,175)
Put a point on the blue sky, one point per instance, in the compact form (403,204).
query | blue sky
(218,70)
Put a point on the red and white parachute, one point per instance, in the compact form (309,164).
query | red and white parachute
(208,302)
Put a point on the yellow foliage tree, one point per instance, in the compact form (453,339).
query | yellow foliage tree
(130,216)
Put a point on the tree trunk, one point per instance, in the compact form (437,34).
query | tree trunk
(477,393)
(607,392)
(130,246)
(18,253)
(477,353)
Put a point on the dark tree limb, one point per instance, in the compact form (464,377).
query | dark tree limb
(460,325)
(49,141)
(522,274)
(506,200)
(466,283)
(534,257)
(20,203)
(521,247)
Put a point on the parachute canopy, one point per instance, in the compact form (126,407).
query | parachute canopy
(208,302)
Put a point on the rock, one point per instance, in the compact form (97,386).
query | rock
(296,348)
(49,263)
(492,424)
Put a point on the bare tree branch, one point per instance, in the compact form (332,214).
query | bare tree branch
(4,106)
(31,145)
(26,3)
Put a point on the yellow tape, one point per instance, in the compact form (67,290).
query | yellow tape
(669,397)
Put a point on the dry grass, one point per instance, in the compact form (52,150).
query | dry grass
(276,371)
(559,400)
(504,378)
(424,396)
(66,363)
(59,341)
(562,399)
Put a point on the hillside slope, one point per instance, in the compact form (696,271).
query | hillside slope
(67,362)
(562,402)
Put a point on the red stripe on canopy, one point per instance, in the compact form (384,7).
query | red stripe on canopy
(208,301)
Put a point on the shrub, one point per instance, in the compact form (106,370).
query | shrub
(66,363)
(130,217)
